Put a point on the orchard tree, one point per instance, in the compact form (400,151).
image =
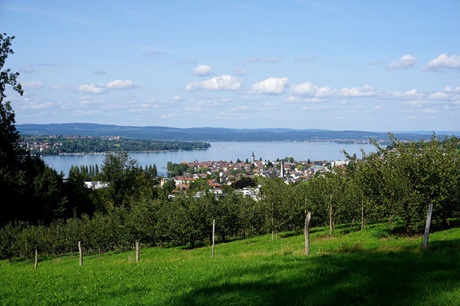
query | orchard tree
(279,205)
(400,181)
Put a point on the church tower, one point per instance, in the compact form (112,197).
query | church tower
(253,157)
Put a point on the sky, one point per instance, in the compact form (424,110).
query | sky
(330,64)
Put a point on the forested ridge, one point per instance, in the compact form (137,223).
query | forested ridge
(217,134)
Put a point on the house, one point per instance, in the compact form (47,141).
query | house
(96,185)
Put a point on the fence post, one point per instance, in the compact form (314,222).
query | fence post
(331,222)
(427,226)
(213,236)
(81,253)
(307,233)
(36,259)
(137,251)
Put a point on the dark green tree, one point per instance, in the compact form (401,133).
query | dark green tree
(121,172)
(11,152)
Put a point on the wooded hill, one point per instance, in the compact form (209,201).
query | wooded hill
(214,134)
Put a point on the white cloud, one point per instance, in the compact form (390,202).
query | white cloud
(93,88)
(410,94)
(310,89)
(406,61)
(120,84)
(297,99)
(33,85)
(270,86)
(443,61)
(304,89)
(177,99)
(439,95)
(214,102)
(224,82)
(103,88)
(202,70)
(364,91)
(324,92)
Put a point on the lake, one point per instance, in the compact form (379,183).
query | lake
(226,151)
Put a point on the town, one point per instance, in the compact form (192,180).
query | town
(240,175)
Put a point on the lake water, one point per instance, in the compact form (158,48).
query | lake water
(226,151)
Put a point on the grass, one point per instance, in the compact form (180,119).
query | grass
(350,268)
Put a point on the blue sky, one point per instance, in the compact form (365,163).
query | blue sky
(337,65)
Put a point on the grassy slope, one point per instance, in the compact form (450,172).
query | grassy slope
(359,268)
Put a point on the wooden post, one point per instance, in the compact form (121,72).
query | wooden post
(331,226)
(427,226)
(137,251)
(307,233)
(213,236)
(362,214)
(36,259)
(81,253)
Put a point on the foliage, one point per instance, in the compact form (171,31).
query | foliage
(402,180)
(11,152)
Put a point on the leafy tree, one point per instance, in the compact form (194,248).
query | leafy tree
(189,221)
(198,185)
(11,152)
(279,205)
(169,186)
(78,195)
(122,173)
(401,180)
(226,211)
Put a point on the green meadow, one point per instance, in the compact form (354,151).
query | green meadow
(370,267)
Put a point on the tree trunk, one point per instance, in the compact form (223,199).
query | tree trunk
(137,251)
(362,214)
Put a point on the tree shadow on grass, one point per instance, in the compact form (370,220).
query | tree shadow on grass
(352,278)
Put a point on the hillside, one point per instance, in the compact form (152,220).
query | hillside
(370,267)
(213,134)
